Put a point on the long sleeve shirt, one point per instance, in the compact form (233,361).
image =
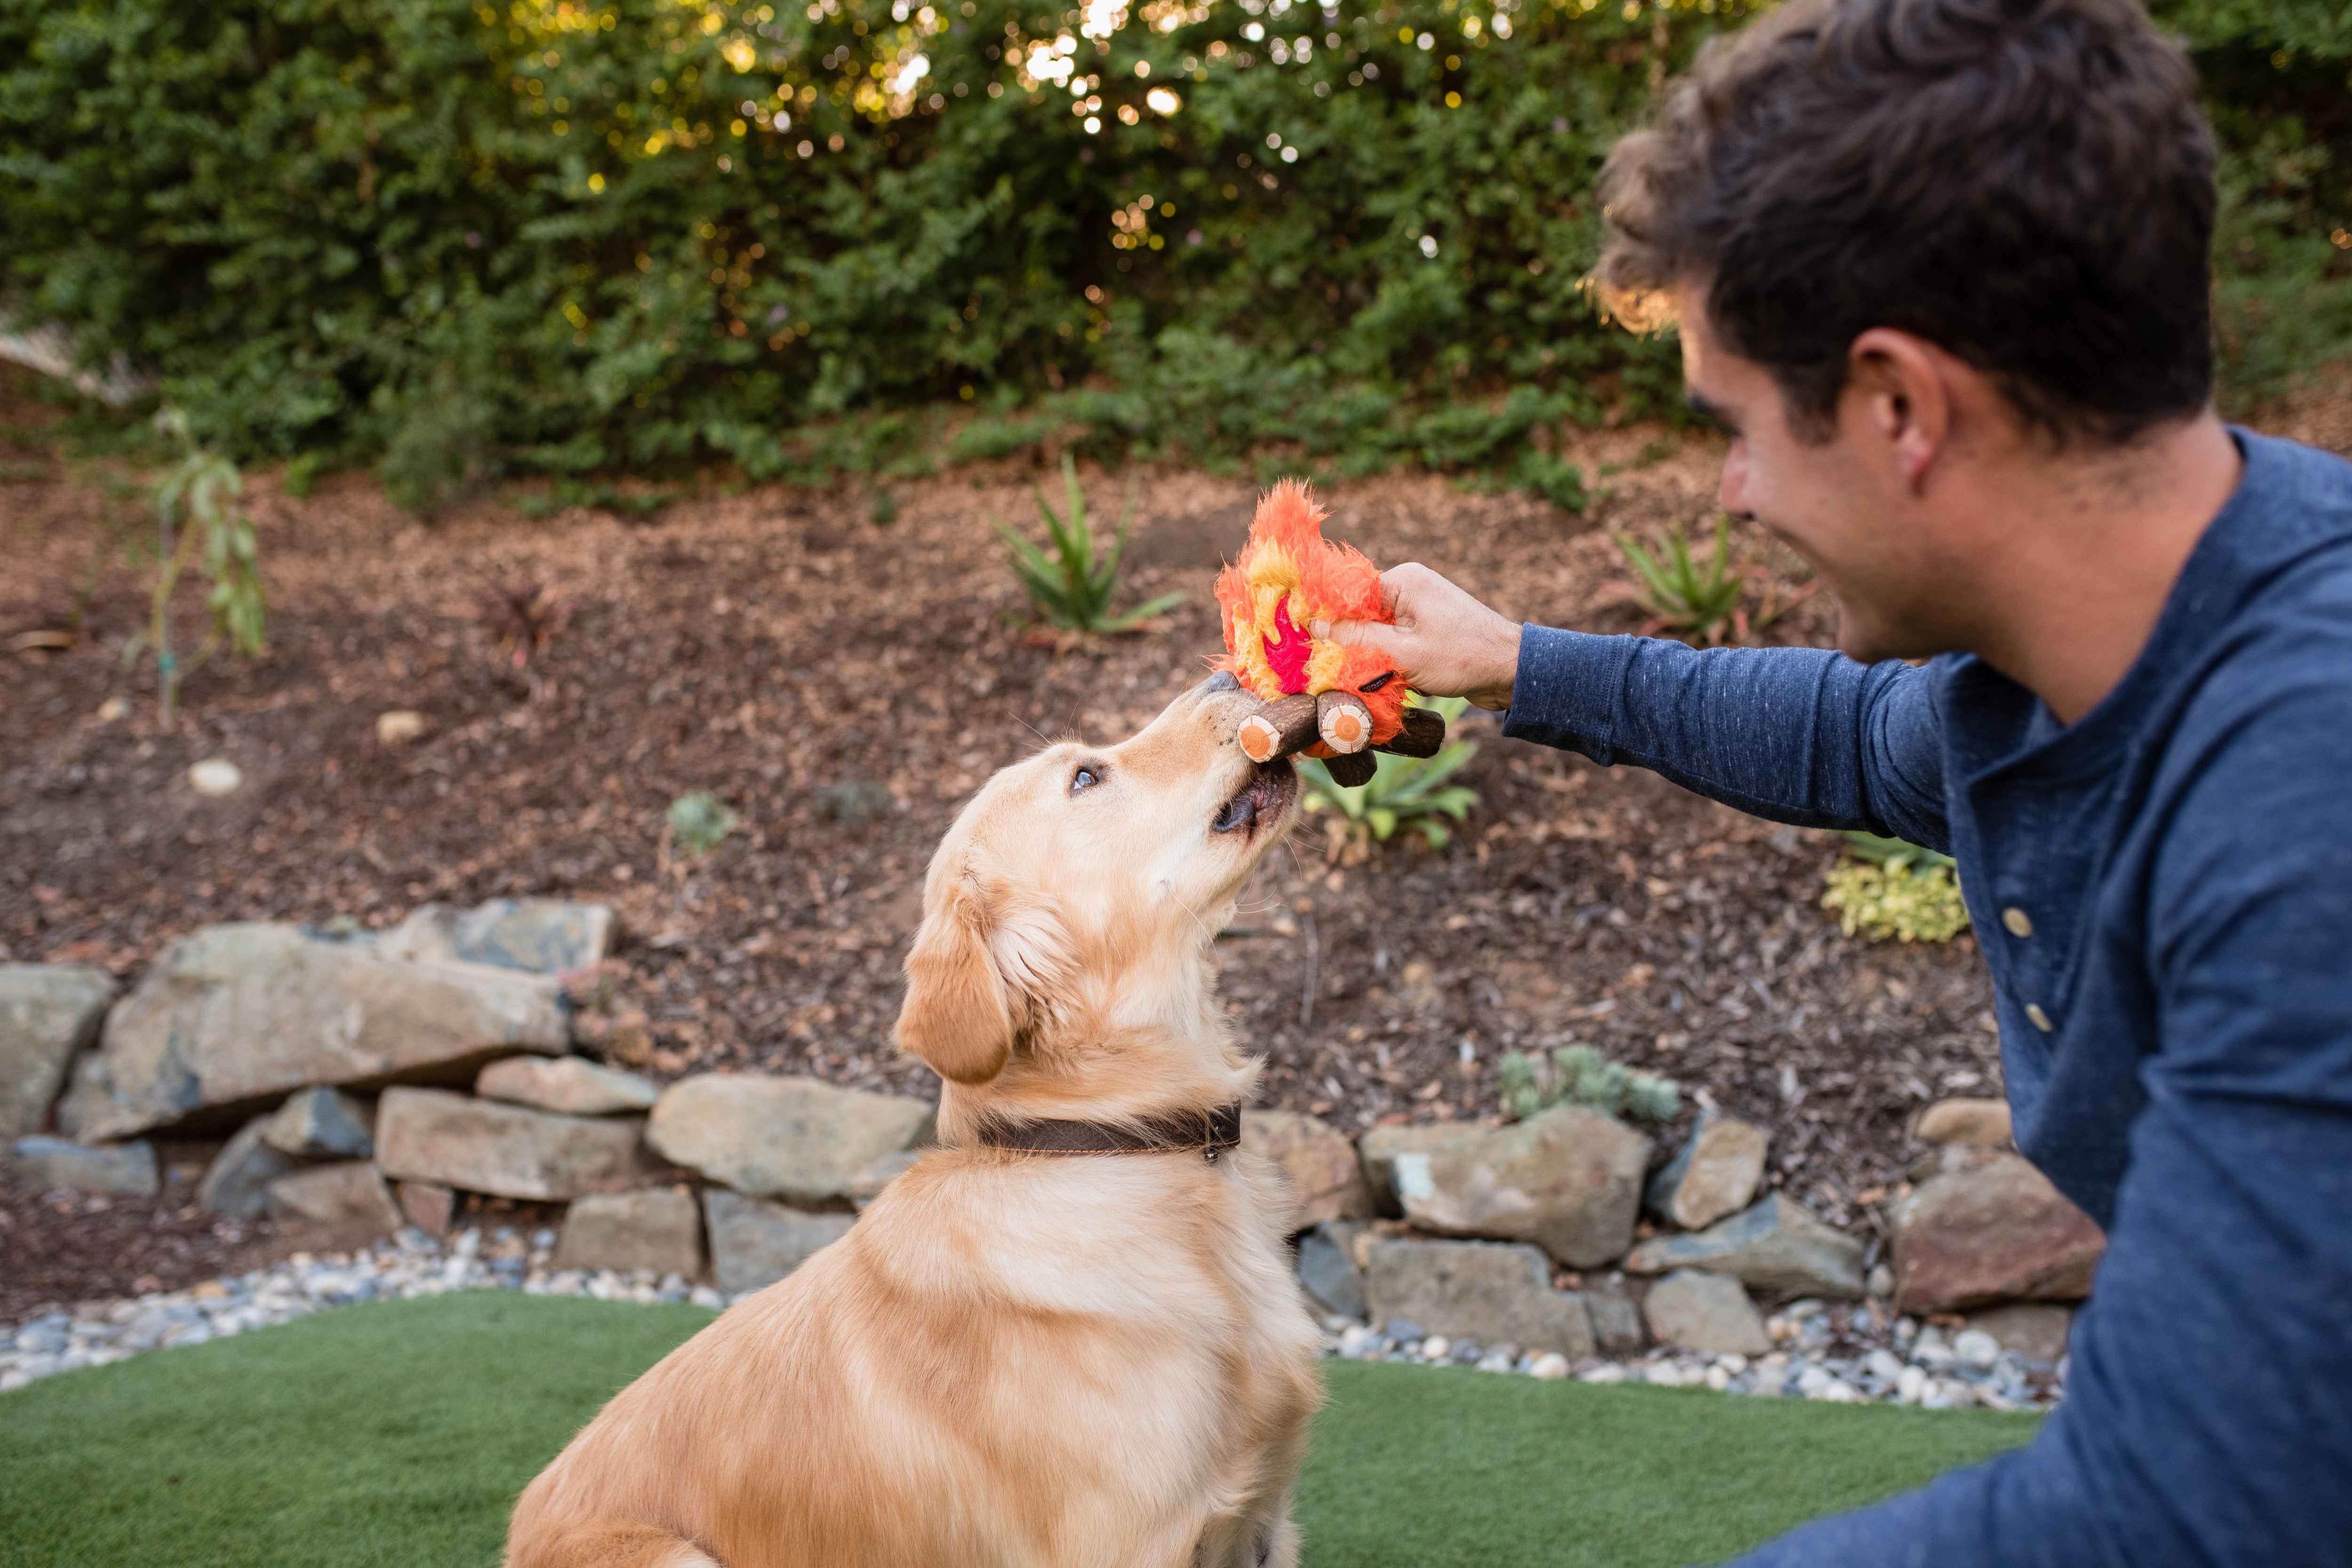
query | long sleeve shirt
(2163,891)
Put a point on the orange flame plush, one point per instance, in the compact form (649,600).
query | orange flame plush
(1286,578)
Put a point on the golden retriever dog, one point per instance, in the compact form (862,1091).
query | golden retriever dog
(1017,1358)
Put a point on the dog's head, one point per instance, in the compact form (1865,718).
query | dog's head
(1064,954)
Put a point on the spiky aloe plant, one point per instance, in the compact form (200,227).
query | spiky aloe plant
(1680,592)
(1073,587)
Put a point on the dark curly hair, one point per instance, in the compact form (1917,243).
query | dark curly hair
(2027,183)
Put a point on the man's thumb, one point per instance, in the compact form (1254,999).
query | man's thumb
(1350,634)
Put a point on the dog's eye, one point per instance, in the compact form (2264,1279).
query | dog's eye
(1083,779)
(1376,682)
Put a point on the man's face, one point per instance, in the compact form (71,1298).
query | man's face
(1840,502)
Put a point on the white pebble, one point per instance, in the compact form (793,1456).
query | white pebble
(1435,1347)
(216,775)
(1975,1348)
(1552,1366)
(1607,1372)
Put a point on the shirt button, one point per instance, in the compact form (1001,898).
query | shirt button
(2019,923)
(2041,1019)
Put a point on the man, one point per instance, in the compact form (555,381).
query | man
(1940,271)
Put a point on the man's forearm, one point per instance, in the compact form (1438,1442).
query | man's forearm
(1796,735)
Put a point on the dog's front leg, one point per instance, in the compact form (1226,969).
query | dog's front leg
(1262,1539)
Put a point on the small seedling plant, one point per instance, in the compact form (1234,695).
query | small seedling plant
(1404,791)
(700,822)
(1578,1074)
(1886,890)
(200,519)
(1072,587)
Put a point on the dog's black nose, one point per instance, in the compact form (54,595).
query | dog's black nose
(1224,680)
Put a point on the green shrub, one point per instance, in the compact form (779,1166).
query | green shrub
(565,236)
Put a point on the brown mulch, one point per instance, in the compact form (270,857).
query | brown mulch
(62,1247)
(845,687)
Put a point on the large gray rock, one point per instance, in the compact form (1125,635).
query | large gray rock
(540,936)
(47,1012)
(239,1013)
(1317,1162)
(791,1138)
(352,1193)
(1979,1123)
(2035,1330)
(427,1205)
(1568,1179)
(322,1123)
(1490,1292)
(1778,1247)
(572,1085)
(754,1244)
(480,1146)
(1990,1227)
(1327,1267)
(1715,1173)
(1377,1151)
(656,1227)
(1616,1321)
(126,1169)
(1697,1312)
(237,1183)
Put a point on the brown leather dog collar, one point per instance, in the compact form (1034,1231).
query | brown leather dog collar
(1208,1134)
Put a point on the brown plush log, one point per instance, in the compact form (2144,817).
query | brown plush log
(1352,768)
(1278,729)
(1424,733)
(1343,721)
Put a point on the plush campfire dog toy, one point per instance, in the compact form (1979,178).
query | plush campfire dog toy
(1329,699)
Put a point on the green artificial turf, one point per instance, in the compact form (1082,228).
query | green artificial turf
(400,1433)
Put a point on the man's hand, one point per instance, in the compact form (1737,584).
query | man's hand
(1446,643)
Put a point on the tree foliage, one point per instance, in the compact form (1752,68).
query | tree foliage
(570,235)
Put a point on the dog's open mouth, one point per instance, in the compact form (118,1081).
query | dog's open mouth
(1265,795)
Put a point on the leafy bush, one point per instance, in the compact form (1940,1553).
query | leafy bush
(1887,890)
(568,236)
(1404,792)
(1580,1075)
(1073,588)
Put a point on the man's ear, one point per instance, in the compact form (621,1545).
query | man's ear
(958,1018)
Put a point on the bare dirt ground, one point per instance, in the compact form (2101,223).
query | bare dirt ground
(845,687)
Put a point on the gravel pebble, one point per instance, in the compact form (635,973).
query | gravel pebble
(407,1265)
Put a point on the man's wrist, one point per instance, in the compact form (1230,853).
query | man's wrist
(1495,696)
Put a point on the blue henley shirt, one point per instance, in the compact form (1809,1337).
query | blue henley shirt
(2175,1029)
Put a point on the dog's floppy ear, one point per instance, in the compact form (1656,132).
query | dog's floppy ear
(958,1016)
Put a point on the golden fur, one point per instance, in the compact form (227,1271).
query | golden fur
(1065,1362)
